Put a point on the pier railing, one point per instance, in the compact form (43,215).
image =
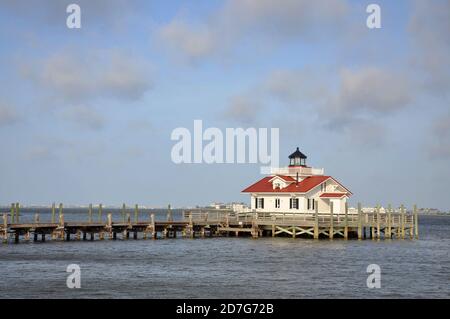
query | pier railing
(380,223)
(372,217)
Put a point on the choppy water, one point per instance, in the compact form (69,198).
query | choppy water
(230,267)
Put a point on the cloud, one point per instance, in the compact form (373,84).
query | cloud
(243,109)
(85,116)
(439,142)
(95,74)
(269,20)
(195,44)
(110,14)
(295,87)
(7,115)
(429,27)
(366,91)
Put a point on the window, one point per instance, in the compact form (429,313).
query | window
(293,203)
(277,203)
(311,204)
(259,202)
(323,187)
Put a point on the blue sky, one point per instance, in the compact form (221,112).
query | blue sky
(86,115)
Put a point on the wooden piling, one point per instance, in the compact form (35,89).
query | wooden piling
(53,212)
(360,222)
(346,221)
(378,222)
(388,231)
(109,225)
(136,213)
(411,225)
(191,226)
(402,222)
(169,213)
(152,220)
(17,213)
(316,220)
(123,212)
(100,211)
(60,209)
(90,213)
(61,223)
(331,231)
(12,213)
(416,222)
(5,228)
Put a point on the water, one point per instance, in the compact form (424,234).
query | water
(229,267)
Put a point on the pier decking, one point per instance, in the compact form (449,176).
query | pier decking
(389,224)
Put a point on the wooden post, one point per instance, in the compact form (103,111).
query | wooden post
(124,208)
(360,222)
(346,222)
(152,218)
(109,225)
(36,218)
(17,213)
(16,237)
(388,232)
(60,209)
(331,231)
(5,228)
(378,223)
(100,210)
(402,213)
(169,214)
(372,223)
(416,222)
(273,226)
(12,213)
(61,220)
(90,213)
(191,226)
(53,212)
(316,220)
(136,213)
(411,225)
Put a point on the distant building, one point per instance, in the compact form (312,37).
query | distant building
(297,188)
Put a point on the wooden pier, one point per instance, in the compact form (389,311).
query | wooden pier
(200,223)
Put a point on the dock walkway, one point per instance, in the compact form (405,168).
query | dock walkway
(389,224)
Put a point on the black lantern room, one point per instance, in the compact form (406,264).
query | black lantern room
(297,158)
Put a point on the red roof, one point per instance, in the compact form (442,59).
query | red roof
(264,186)
(333,195)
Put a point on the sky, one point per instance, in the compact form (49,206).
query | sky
(86,115)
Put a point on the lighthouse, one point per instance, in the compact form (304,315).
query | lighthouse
(298,188)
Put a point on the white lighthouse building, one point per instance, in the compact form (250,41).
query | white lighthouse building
(297,188)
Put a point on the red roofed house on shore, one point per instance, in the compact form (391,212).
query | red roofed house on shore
(298,189)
